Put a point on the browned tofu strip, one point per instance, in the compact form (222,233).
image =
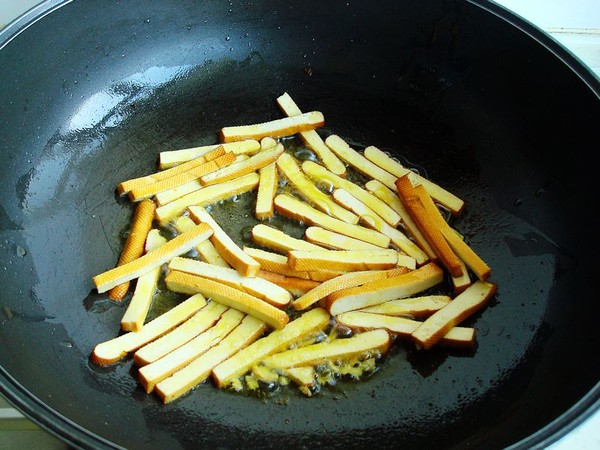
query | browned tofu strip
(428,226)
(414,306)
(296,286)
(187,283)
(379,291)
(343,260)
(465,304)
(461,337)
(275,128)
(172,158)
(135,243)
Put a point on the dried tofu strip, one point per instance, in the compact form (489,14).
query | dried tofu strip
(440,195)
(167,196)
(460,247)
(296,286)
(188,330)
(206,249)
(267,187)
(135,243)
(335,241)
(312,138)
(227,295)
(343,260)
(258,287)
(390,197)
(344,281)
(307,324)
(177,246)
(146,285)
(172,158)
(155,372)
(372,219)
(428,226)
(462,282)
(296,209)
(414,306)
(322,175)
(126,186)
(302,376)
(464,305)
(278,240)
(207,196)
(275,128)
(462,337)
(370,343)
(241,168)
(358,161)
(226,247)
(111,351)
(200,369)
(290,169)
(379,291)
(197,172)
(276,263)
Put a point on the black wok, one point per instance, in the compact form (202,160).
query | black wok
(490,107)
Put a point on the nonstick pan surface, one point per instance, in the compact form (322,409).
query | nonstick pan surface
(487,105)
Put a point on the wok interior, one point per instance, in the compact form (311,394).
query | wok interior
(488,113)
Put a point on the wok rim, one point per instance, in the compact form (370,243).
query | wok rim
(73,434)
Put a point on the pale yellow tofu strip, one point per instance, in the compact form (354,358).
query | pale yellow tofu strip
(267,187)
(320,173)
(372,342)
(307,324)
(207,196)
(278,240)
(145,287)
(187,283)
(441,195)
(176,157)
(290,169)
(299,210)
(404,327)
(113,350)
(188,330)
(413,306)
(126,186)
(155,258)
(471,300)
(256,286)
(226,247)
(373,220)
(166,366)
(343,260)
(199,370)
(335,241)
(312,138)
(169,195)
(206,249)
(274,128)
(358,161)
(344,281)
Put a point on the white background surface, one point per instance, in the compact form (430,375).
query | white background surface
(573,23)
